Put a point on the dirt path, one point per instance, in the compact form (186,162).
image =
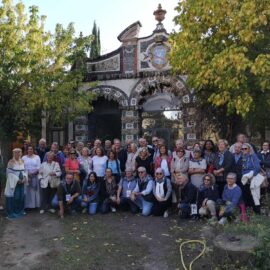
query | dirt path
(23,241)
(115,241)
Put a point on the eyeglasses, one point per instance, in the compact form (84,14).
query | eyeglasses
(244,148)
(207,179)
(141,171)
(159,173)
(155,141)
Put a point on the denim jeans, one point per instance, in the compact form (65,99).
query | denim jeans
(144,205)
(127,203)
(73,206)
(91,206)
(185,210)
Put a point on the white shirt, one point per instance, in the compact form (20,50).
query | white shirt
(160,189)
(164,167)
(99,165)
(31,163)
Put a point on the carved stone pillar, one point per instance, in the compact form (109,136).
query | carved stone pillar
(130,125)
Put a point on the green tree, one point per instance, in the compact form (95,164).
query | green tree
(95,45)
(224,48)
(35,71)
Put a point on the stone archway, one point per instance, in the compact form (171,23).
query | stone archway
(164,98)
(110,94)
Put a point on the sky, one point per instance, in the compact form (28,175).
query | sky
(111,16)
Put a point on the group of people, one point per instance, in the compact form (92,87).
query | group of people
(207,180)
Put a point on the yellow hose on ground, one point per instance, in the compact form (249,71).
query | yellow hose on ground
(181,252)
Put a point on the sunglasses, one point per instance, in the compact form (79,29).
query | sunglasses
(155,141)
(141,171)
(159,173)
(244,148)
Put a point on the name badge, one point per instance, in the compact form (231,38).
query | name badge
(68,197)
(128,193)
(194,209)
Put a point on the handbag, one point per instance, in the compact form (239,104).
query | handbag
(54,180)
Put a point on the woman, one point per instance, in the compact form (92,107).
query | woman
(32,166)
(72,165)
(49,176)
(16,179)
(99,163)
(208,197)
(222,165)
(144,160)
(250,169)
(114,164)
(179,163)
(108,190)
(197,168)
(131,157)
(163,161)
(162,190)
(209,154)
(264,157)
(89,198)
(85,161)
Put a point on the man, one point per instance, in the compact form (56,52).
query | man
(142,195)
(231,199)
(107,147)
(79,147)
(242,138)
(155,148)
(67,195)
(237,162)
(126,186)
(186,194)
(264,157)
(41,149)
(162,190)
(58,155)
(143,143)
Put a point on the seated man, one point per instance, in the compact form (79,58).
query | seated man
(126,186)
(162,190)
(67,195)
(142,195)
(186,194)
(207,197)
(232,196)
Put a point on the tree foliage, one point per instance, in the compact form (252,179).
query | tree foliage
(35,70)
(224,48)
(95,45)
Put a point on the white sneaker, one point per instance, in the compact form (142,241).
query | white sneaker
(222,221)
(52,210)
(113,209)
(166,214)
(42,211)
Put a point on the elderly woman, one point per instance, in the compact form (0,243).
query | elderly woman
(49,176)
(250,173)
(16,179)
(179,163)
(144,160)
(207,197)
(32,166)
(231,198)
(162,190)
(197,168)
(131,157)
(85,161)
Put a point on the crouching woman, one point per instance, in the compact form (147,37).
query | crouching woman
(89,198)
(207,197)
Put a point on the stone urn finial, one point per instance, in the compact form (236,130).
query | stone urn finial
(160,14)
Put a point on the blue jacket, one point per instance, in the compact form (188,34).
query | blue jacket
(250,163)
(233,196)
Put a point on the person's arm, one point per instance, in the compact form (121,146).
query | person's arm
(169,190)
(149,188)
(256,163)
(56,169)
(61,209)
(119,190)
